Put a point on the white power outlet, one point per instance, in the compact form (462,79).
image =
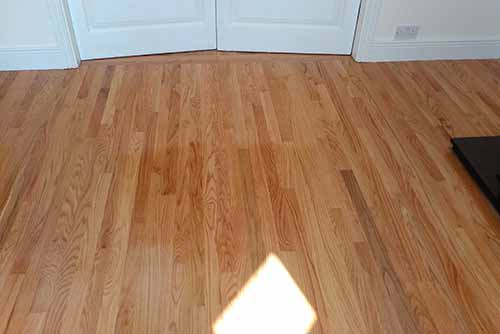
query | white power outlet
(404,33)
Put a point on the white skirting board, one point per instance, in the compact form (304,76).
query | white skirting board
(439,50)
(33,58)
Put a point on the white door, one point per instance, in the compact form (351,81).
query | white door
(302,26)
(113,28)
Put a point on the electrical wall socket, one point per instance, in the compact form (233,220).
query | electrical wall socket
(404,33)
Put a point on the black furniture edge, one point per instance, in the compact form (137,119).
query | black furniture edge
(472,171)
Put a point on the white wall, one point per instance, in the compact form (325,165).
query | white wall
(35,34)
(15,31)
(449,29)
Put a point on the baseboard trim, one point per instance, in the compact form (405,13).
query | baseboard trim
(379,51)
(32,58)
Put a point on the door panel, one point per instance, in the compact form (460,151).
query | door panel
(303,26)
(115,28)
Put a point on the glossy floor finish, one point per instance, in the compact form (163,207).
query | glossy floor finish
(141,195)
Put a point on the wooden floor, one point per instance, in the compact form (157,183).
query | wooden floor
(141,195)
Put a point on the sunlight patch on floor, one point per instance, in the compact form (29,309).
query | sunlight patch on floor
(271,302)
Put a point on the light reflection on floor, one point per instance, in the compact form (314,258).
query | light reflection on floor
(271,302)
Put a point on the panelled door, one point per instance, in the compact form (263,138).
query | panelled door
(115,28)
(301,26)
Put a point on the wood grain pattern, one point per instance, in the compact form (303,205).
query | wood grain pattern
(140,195)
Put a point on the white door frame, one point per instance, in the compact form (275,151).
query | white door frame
(65,35)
